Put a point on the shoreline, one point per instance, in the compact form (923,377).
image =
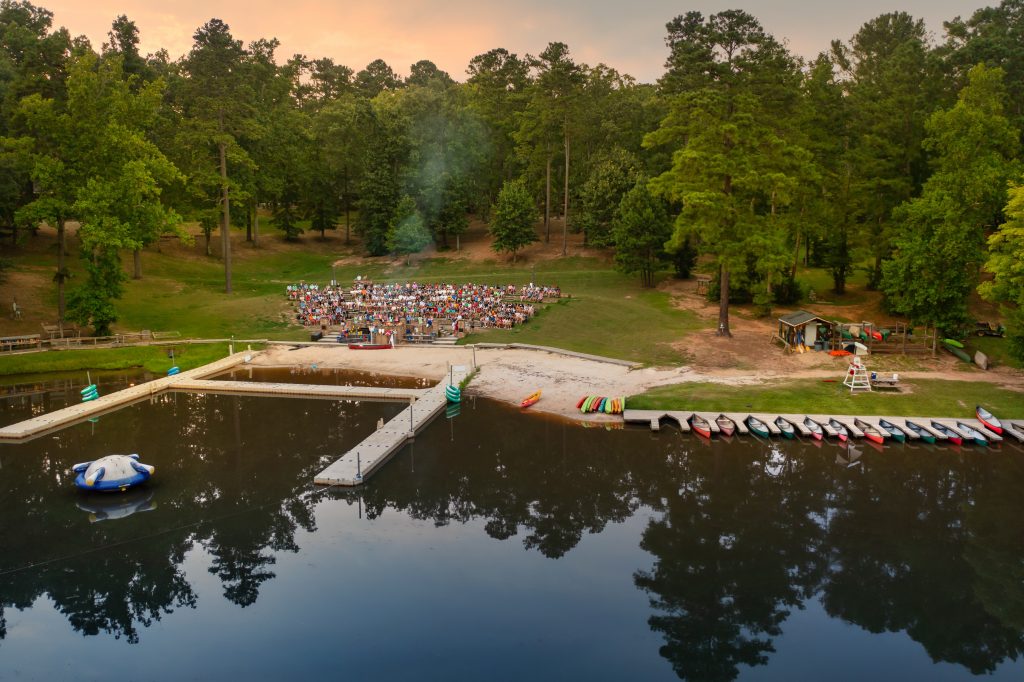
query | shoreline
(510,374)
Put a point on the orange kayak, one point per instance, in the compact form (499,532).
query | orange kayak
(530,400)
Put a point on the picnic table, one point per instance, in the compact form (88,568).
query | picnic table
(60,330)
(885,380)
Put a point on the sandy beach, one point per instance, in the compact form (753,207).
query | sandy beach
(505,374)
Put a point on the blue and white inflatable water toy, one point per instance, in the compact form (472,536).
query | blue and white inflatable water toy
(113,472)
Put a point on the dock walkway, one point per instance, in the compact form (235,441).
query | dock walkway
(325,391)
(58,419)
(355,466)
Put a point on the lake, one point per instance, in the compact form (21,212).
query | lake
(498,546)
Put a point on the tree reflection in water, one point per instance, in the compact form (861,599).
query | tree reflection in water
(923,541)
(231,478)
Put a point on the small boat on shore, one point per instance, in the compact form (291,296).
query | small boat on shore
(951,435)
(369,346)
(786,427)
(972,433)
(870,432)
(758,427)
(530,399)
(895,432)
(815,428)
(840,429)
(922,433)
(989,420)
(701,425)
(726,425)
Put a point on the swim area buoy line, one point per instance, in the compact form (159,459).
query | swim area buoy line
(112,473)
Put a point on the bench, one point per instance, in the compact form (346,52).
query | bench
(22,341)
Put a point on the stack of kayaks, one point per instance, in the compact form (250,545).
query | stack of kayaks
(956,348)
(597,403)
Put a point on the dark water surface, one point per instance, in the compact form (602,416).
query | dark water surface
(499,546)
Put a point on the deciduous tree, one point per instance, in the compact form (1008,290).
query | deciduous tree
(941,245)
(512,219)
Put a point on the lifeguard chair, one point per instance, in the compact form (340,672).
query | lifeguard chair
(857,376)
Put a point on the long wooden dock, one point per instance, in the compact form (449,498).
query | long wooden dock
(1012,429)
(72,414)
(355,466)
(282,390)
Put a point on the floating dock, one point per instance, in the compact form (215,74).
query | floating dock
(72,414)
(1012,429)
(360,462)
(351,469)
(191,381)
(282,390)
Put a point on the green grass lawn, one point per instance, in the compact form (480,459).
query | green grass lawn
(151,358)
(920,397)
(637,325)
(607,314)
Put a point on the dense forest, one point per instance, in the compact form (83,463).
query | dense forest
(895,151)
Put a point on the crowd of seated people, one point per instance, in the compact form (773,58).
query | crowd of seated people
(365,304)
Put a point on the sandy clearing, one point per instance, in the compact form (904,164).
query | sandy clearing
(510,375)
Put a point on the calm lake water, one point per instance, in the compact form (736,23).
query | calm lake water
(498,546)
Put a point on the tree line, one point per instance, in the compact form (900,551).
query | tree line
(893,150)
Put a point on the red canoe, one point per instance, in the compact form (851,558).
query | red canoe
(870,432)
(989,420)
(701,425)
(369,346)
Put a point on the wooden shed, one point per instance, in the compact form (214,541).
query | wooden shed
(802,330)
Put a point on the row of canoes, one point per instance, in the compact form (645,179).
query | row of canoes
(885,429)
(596,403)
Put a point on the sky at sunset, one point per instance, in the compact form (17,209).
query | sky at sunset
(626,35)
